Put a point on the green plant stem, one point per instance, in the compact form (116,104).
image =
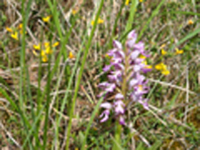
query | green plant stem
(80,75)
(47,107)
(117,141)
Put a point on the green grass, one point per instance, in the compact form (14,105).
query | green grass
(54,104)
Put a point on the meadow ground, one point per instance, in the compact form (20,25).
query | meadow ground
(52,55)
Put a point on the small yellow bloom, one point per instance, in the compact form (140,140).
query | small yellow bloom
(9,29)
(165,72)
(37,47)
(20,26)
(178,51)
(163,52)
(48,50)
(142,57)
(148,66)
(71,56)
(14,35)
(127,2)
(55,44)
(46,19)
(74,11)
(100,21)
(46,44)
(190,22)
(44,58)
(161,66)
(43,53)
(141,1)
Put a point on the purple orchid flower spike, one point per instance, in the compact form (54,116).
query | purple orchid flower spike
(125,68)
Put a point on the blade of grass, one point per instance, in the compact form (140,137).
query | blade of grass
(25,13)
(80,74)
(63,52)
(155,12)
(47,105)
(90,123)
(187,37)
(115,24)
(182,13)
(129,23)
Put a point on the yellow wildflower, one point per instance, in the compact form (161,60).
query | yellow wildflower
(14,35)
(178,51)
(44,58)
(148,66)
(43,53)
(37,47)
(48,50)
(161,66)
(9,29)
(55,44)
(127,2)
(190,22)
(46,44)
(100,21)
(20,26)
(46,19)
(165,72)
(142,57)
(141,1)
(71,56)
(74,11)
(163,52)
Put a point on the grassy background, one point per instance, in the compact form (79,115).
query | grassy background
(42,102)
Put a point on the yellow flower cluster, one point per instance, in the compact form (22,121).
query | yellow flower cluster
(46,19)
(127,2)
(190,22)
(14,33)
(100,21)
(71,56)
(44,52)
(178,51)
(164,52)
(163,68)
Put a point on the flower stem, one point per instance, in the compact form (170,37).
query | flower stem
(117,141)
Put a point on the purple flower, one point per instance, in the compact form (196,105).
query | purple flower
(132,37)
(116,76)
(121,120)
(119,107)
(117,44)
(119,96)
(105,114)
(125,68)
